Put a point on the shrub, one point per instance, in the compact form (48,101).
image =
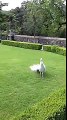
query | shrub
(52,108)
(55,49)
(22,44)
(61,51)
(27,45)
(47,48)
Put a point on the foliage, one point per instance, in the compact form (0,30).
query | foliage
(4,24)
(27,45)
(55,49)
(42,17)
(52,108)
(22,44)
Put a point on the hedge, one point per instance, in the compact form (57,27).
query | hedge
(52,108)
(55,49)
(26,45)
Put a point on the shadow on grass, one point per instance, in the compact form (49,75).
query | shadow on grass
(45,75)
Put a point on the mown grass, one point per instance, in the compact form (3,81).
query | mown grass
(19,86)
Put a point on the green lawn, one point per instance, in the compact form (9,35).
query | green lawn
(19,86)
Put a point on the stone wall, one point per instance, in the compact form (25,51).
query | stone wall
(42,40)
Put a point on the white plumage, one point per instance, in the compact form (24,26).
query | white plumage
(39,67)
(35,67)
(42,66)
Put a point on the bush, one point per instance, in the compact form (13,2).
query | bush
(22,44)
(27,45)
(55,49)
(52,108)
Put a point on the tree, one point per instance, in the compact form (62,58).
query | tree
(37,17)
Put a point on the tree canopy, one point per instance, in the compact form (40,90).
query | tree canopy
(37,17)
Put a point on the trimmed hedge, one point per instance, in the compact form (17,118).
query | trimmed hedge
(52,108)
(27,45)
(55,49)
(22,44)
